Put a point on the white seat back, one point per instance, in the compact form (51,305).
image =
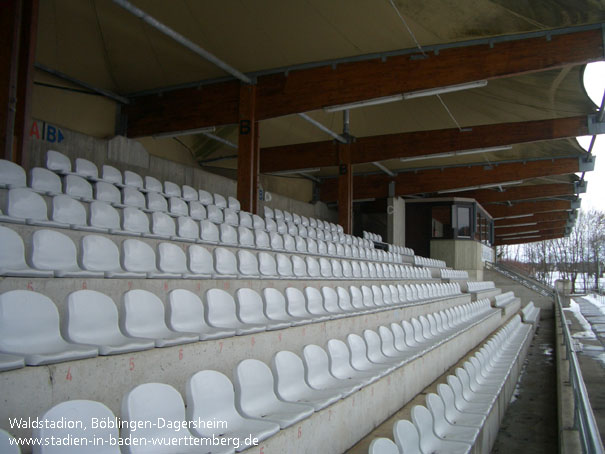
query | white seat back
(162,225)
(197,211)
(406,437)
(40,180)
(200,261)
(111,174)
(247,263)
(172,259)
(383,446)
(189,193)
(209,231)
(135,221)
(138,257)
(132,197)
(267,265)
(156,202)
(152,184)
(68,211)
(23,203)
(172,189)
(205,197)
(107,192)
(133,179)
(225,262)
(12,175)
(104,216)
(284,266)
(58,162)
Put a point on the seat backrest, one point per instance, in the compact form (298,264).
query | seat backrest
(143,312)
(300,244)
(187,228)
(103,215)
(228,234)
(134,220)
(77,187)
(313,268)
(249,305)
(200,260)
(91,316)
(266,264)
(330,300)
(356,297)
(186,311)
(171,259)
(27,320)
(284,265)
(258,222)
(52,250)
(245,219)
(423,420)
(220,308)
(78,410)
(12,252)
(205,197)
(40,179)
(225,262)
(172,189)
(138,256)
(8,443)
(382,446)
(12,175)
(299,266)
(209,231)
(215,214)
(131,196)
(247,263)
(107,192)
(314,301)
(178,206)
(289,372)
(289,243)
(210,396)
(406,437)
(189,193)
(111,174)
(268,212)
(57,161)
(99,253)
(297,305)
(68,211)
(152,184)
(86,168)
(133,179)
(230,216)
(358,349)
(253,383)
(277,241)
(23,203)
(197,211)
(162,224)
(274,304)
(156,201)
(270,225)
(219,200)
(245,237)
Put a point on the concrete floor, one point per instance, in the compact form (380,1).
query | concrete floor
(530,423)
(592,358)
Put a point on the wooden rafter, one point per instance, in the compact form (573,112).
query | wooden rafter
(511,193)
(530,228)
(502,211)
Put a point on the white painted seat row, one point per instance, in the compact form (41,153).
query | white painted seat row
(401,250)
(479,286)
(447,273)
(92,319)
(530,313)
(505,299)
(52,253)
(262,399)
(279,215)
(453,419)
(425,261)
(372,236)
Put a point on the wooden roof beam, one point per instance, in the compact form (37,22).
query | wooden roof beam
(511,193)
(537,217)
(502,211)
(540,226)
(306,89)
(430,181)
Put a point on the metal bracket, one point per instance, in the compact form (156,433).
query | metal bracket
(579,187)
(595,126)
(586,163)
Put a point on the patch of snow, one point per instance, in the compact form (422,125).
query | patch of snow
(587,332)
(599,302)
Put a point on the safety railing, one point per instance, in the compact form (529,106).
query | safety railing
(522,279)
(584,420)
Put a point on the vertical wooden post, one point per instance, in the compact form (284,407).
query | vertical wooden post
(246,180)
(27,55)
(255,169)
(345,188)
(10,22)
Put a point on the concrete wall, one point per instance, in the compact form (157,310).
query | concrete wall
(460,255)
(396,221)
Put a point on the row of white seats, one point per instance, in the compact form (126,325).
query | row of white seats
(48,181)
(401,250)
(530,313)
(278,215)
(479,286)
(504,299)
(425,261)
(447,273)
(52,253)
(372,236)
(454,417)
(25,206)
(190,319)
(266,399)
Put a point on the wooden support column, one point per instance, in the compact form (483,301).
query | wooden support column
(10,22)
(345,188)
(255,170)
(27,54)
(247,159)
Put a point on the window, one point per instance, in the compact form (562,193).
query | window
(463,221)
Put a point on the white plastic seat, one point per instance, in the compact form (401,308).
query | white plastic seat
(172,261)
(40,180)
(330,302)
(318,376)
(200,261)
(255,396)
(261,239)
(215,214)
(299,267)
(132,197)
(277,241)
(276,310)
(322,247)
(383,446)
(107,192)
(339,357)
(245,237)
(10,362)
(287,216)
(100,254)
(86,169)
(29,327)
(300,244)
(290,386)
(297,304)
(111,175)
(406,437)
(186,314)
(135,221)
(143,316)
(210,396)
(278,214)
(247,264)
(12,256)
(152,184)
(230,217)
(228,235)
(172,189)
(315,304)
(139,257)
(78,188)
(105,217)
(156,202)
(375,352)
(92,319)
(208,232)
(270,225)
(429,441)
(187,229)
(24,206)
(162,226)
(267,265)
(446,430)
(177,207)
(313,269)
(221,313)
(289,243)
(105,436)
(197,211)
(150,402)
(12,175)
(249,306)
(66,210)
(56,252)
(58,162)
(245,219)
(219,200)
(284,266)
(453,414)
(312,246)
(257,222)
(268,212)
(205,197)
(189,193)
(225,263)
(359,357)
(133,179)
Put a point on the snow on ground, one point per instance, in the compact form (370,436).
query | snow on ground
(597,301)
(588,333)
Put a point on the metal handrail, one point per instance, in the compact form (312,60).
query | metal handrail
(584,420)
(526,281)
